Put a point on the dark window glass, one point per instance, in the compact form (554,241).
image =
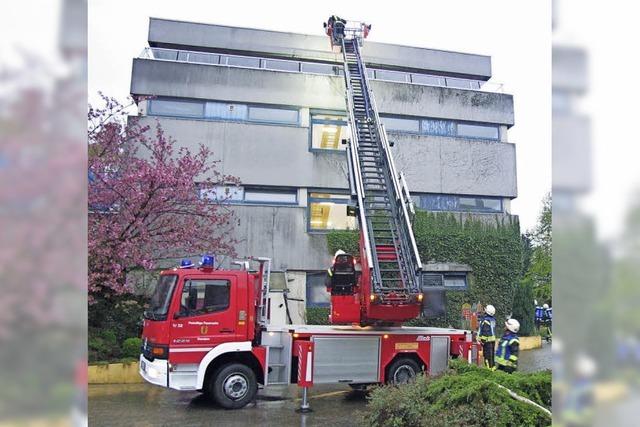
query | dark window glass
(394,76)
(243,61)
(455,281)
(449,202)
(205,296)
(478,131)
(170,107)
(204,58)
(312,67)
(458,83)
(169,54)
(161,298)
(401,125)
(425,79)
(279,115)
(274,64)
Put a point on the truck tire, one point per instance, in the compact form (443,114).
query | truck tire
(233,385)
(402,371)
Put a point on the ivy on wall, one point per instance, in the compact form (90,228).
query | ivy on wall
(492,250)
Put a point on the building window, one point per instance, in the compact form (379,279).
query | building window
(393,76)
(223,193)
(243,61)
(168,54)
(327,132)
(401,125)
(329,212)
(174,107)
(226,111)
(455,281)
(438,127)
(478,131)
(273,115)
(317,68)
(205,296)
(261,195)
(222,111)
(250,195)
(200,58)
(317,295)
(441,127)
(424,79)
(455,203)
(274,64)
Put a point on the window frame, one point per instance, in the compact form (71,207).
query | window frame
(313,121)
(331,192)
(457,203)
(192,313)
(151,112)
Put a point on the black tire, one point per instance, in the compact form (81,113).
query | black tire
(402,371)
(233,386)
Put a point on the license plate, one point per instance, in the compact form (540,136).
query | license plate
(143,366)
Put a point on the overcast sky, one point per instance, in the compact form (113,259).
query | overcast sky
(515,34)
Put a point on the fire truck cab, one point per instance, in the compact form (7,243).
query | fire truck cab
(208,330)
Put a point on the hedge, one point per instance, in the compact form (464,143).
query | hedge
(465,395)
(492,250)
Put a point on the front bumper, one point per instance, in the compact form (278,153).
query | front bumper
(154,372)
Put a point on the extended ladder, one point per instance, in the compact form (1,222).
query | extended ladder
(381,193)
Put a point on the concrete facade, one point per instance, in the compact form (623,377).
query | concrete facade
(272,155)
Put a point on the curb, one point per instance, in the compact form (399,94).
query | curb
(115,373)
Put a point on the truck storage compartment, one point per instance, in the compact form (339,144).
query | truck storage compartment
(346,359)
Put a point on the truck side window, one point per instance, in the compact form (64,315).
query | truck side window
(205,296)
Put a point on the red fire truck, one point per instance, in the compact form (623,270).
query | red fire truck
(208,329)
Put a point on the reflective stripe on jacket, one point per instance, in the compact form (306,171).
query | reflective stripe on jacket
(508,349)
(487,329)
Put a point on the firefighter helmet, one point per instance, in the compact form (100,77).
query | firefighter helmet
(490,310)
(513,325)
(545,306)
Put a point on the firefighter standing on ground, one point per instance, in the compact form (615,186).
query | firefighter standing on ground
(487,336)
(509,347)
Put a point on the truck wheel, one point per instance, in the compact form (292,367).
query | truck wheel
(402,371)
(233,386)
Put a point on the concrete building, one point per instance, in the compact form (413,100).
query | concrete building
(271,106)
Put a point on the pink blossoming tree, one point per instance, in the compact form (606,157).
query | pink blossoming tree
(144,200)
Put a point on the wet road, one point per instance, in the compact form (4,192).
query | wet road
(333,405)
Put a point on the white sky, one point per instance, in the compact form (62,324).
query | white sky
(515,34)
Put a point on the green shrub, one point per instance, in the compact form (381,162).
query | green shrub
(524,307)
(493,251)
(103,345)
(131,347)
(466,395)
(317,316)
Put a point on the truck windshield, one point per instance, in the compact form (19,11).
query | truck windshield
(161,298)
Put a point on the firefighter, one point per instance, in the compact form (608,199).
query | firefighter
(539,314)
(330,270)
(547,317)
(508,347)
(487,336)
(186,263)
(335,28)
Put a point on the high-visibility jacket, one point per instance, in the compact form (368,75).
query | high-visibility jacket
(508,350)
(487,329)
(539,313)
